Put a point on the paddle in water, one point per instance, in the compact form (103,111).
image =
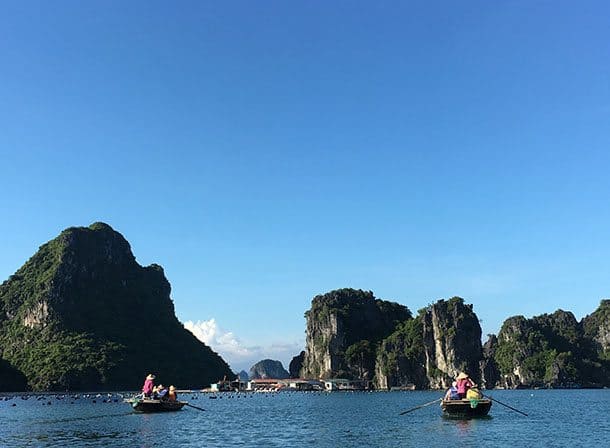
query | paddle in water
(420,406)
(503,404)
(191,406)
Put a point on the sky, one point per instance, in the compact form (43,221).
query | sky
(267,152)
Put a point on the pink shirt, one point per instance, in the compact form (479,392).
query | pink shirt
(464,384)
(148,386)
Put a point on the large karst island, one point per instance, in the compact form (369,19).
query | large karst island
(353,335)
(82,314)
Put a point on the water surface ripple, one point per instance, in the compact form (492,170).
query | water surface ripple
(557,418)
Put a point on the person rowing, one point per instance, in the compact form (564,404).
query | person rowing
(463,384)
(149,386)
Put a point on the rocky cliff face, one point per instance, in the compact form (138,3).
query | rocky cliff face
(490,374)
(350,334)
(343,327)
(512,349)
(268,368)
(596,327)
(452,342)
(550,350)
(400,358)
(83,314)
(430,350)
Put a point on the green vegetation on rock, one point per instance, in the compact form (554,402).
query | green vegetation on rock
(344,330)
(400,358)
(83,314)
(596,328)
(549,350)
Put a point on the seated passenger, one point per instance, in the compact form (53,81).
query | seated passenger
(172,395)
(162,392)
(452,393)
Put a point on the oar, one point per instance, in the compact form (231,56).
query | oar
(503,404)
(191,406)
(420,406)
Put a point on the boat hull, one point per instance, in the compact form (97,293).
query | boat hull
(466,408)
(151,406)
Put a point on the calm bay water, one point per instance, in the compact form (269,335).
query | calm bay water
(557,418)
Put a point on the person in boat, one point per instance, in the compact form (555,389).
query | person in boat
(162,392)
(172,395)
(149,385)
(463,384)
(452,392)
(473,394)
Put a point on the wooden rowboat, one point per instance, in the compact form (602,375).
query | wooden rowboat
(466,408)
(148,405)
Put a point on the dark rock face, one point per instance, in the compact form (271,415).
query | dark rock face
(268,368)
(490,374)
(11,379)
(343,327)
(83,314)
(296,364)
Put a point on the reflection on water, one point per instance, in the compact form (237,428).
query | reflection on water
(463,427)
(309,419)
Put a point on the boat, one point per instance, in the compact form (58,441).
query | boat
(148,405)
(467,408)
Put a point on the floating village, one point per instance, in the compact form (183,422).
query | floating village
(292,385)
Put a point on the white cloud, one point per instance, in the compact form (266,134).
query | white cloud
(239,355)
(212,335)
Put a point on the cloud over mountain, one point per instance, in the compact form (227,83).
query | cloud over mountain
(237,353)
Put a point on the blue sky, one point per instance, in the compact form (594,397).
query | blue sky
(266,152)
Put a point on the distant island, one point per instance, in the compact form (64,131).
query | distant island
(82,314)
(268,368)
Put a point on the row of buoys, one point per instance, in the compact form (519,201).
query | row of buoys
(116,397)
(105,398)
(60,396)
(213,397)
